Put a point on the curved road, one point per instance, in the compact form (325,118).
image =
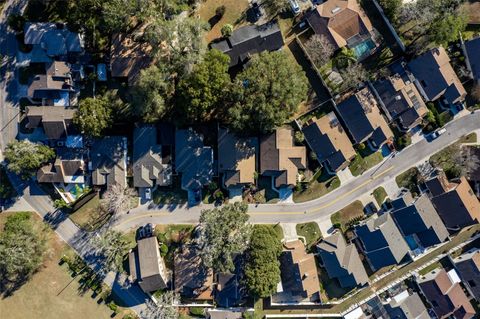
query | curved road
(323,207)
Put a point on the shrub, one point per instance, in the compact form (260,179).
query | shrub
(113,307)
(220,11)
(16,22)
(299,137)
(313,156)
(227,30)
(361,146)
(163,250)
(197,311)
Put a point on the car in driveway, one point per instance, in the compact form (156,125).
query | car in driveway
(294,6)
(148,193)
(437,133)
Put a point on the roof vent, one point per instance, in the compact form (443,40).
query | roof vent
(335,10)
(398,97)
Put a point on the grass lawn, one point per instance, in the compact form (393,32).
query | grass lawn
(51,292)
(234,14)
(174,232)
(408,179)
(318,187)
(170,195)
(276,228)
(343,216)
(361,164)
(87,217)
(470,138)
(310,231)
(380,194)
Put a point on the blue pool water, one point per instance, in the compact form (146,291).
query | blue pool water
(411,242)
(363,48)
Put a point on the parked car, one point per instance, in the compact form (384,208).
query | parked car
(294,6)
(149,230)
(148,193)
(439,132)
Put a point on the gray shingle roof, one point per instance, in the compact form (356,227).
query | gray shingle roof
(473,52)
(108,160)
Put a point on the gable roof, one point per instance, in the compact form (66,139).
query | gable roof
(405,306)
(280,158)
(298,270)
(420,218)
(329,141)
(250,39)
(148,160)
(342,261)
(236,158)
(468,266)
(381,241)
(57,121)
(362,118)
(108,157)
(472,48)
(446,296)
(54,38)
(192,159)
(340,21)
(437,77)
(68,167)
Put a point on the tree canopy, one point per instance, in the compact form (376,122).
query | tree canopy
(25,157)
(93,116)
(448,28)
(201,93)
(22,248)
(274,7)
(320,49)
(262,271)
(112,247)
(224,231)
(267,93)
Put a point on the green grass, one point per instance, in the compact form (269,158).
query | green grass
(346,214)
(88,216)
(170,195)
(361,164)
(310,231)
(446,159)
(429,268)
(322,183)
(276,228)
(380,194)
(408,179)
(470,138)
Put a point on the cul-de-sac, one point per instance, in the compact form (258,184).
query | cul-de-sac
(239,159)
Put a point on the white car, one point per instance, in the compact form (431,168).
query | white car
(294,6)
(148,193)
(436,134)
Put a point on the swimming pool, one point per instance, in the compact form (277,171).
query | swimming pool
(363,48)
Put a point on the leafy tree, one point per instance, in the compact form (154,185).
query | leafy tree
(201,94)
(163,309)
(447,28)
(223,232)
(227,30)
(22,248)
(267,93)
(345,58)
(112,247)
(117,13)
(353,75)
(274,7)
(25,157)
(118,199)
(151,94)
(391,8)
(93,116)
(262,271)
(320,49)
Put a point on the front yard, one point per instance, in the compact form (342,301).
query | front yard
(343,217)
(362,163)
(409,180)
(380,195)
(311,232)
(90,216)
(322,183)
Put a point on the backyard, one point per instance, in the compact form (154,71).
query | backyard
(363,162)
(344,216)
(310,231)
(52,293)
(322,183)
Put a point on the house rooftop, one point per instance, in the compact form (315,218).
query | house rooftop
(473,52)
(108,157)
(57,121)
(405,306)
(54,38)
(67,168)
(329,141)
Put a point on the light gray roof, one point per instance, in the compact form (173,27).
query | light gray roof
(54,40)
(410,307)
(147,159)
(391,233)
(108,158)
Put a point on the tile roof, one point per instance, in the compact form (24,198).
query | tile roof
(108,157)
(342,261)
(280,158)
(329,141)
(250,39)
(57,121)
(236,158)
(437,77)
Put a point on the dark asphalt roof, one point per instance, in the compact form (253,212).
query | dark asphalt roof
(352,112)
(473,52)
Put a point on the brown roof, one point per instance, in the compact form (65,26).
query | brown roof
(339,20)
(236,158)
(192,278)
(56,121)
(447,297)
(299,270)
(67,168)
(129,57)
(279,157)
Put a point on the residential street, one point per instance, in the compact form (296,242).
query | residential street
(321,208)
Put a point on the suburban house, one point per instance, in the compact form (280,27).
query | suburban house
(236,159)
(362,118)
(56,121)
(194,161)
(328,139)
(230,290)
(128,57)
(151,160)
(468,267)
(248,40)
(53,88)
(68,168)
(344,24)
(215,313)
(381,242)
(108,161)
(51,40)
(435,78)
(472,54)
(192,279)
(299,276)
(399,98)
(281,159)
(420,223)
(455,202)
(444,293)
(406,306)
(341,261)
(146,266)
